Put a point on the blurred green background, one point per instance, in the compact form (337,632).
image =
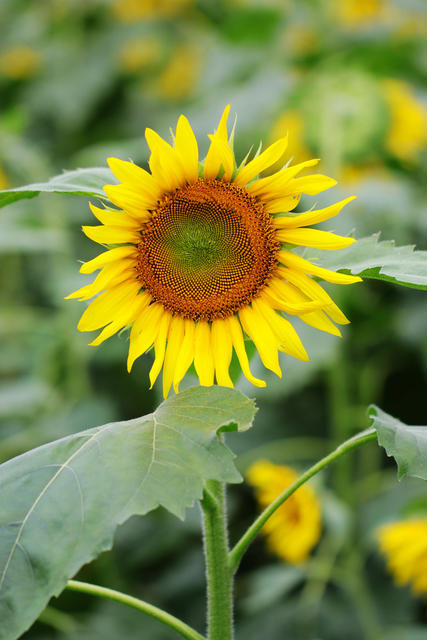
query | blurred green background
(79,81)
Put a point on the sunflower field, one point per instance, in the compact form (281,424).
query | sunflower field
(213,322)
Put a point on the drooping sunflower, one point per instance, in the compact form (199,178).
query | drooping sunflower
(295,528)
(202,258)
(404,544)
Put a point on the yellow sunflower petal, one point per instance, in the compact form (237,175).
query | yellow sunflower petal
(281,205)
(124,317)
(222,349)
(165,176)
(186,353)
(108,256)
(110,275)
(221,131)
(102,309)
(275,186)
(319,320)
(187,149)
(287,291)
(278,291)
(289,340)
(131,199)
(111,235)
(129,172)
(223,157)
(114,218)
(239,346)
(311,185)
(296,262)
(262,336)
(164,160)
(203,358)
(310,217)
(175,338)
(272,154)
(106,333)
(314,238)
(160,347)
(141,340)
(313,289)
(213,158)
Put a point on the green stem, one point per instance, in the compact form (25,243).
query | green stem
(238,551)
(218,573)
(58,620)
(354,581)
(151,610)
(341,423)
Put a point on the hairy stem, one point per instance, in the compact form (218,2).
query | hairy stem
(145,607)
(218,573)
(238,551)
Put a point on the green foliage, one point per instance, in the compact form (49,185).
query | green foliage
(271,584)
(382,260)
(407,445)
(81,182)
(61,503)
(251,24)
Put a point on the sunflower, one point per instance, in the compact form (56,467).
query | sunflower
(201,258)
(404,544)
(407,134)
(19,63)
(295,528)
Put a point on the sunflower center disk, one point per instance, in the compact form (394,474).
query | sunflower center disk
(207,251)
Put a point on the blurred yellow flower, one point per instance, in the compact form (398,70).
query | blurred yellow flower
(300,39)
(179,76)
(353,13)
(353,174)
(410,23)
(4,182)
(19,62)
(134,10)
(137,54)
(404,544)
(407,135)
(295,528)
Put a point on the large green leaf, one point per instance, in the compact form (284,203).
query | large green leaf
(82,182)
(382,260)
(407,445)
(61,503)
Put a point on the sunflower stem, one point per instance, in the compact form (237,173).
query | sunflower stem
(218,573)
(242,545)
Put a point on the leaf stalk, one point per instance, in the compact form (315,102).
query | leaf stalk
(140,605)
(242,545)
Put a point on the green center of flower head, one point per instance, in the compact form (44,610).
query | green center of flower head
(207,251)
(196,245)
